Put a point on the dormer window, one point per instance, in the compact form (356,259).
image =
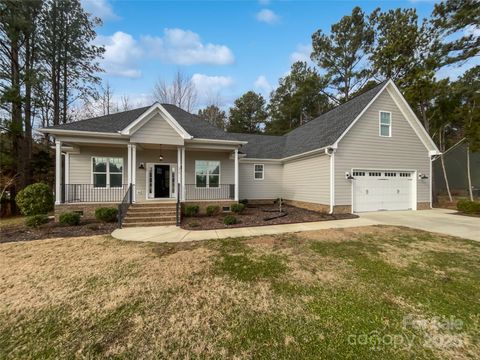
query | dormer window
(385,124)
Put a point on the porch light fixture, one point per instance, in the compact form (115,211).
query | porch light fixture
(348,176)
(142,166)
(160,157)
(422,176)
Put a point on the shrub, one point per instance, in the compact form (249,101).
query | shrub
(191,210)
(106,214)
(36,220)
(69,218)
(213,210)
(244,202)
(35,199)
(229,220)
(468,207)
(237,208)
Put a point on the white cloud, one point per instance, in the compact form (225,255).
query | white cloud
(262,85)
(184,47)
(121,54)
(473,30)
(302,53)
(264,2)
(100,8)
(211,84)
(267,16)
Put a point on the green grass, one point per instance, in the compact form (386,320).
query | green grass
(365,293)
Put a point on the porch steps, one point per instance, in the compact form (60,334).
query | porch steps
(150,214)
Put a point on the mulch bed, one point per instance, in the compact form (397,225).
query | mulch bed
(255,215)
(53,229)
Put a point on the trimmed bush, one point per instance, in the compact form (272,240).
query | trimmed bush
(191,210)
(244,202)
(69,218)
(36,220)
(237,208)
(213,210)
(229,220)
(35,199)
(468,207)
(106,214)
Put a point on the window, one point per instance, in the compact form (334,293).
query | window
(258,171)
(107,172)
(359,173)
(385,124)
(207,173)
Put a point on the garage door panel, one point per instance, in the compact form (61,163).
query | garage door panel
(382,190)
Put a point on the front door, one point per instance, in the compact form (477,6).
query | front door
(162,181)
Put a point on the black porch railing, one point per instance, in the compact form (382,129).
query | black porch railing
(221,192)
(79,193)
(125,204)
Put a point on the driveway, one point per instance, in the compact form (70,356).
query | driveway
(436,220)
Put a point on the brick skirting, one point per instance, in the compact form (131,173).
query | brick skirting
(204,203)
(423,206)
(308,205)
(88,209)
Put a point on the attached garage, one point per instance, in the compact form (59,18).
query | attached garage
(377,190)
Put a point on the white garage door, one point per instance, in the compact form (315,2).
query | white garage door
(375,190)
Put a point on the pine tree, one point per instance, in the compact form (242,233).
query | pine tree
(248,114)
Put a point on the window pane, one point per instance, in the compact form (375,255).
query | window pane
(258,175)
(116,165)
(385,130)
(201,181)
(99,180)
(213,181)
(201,167)
(385,118)
(214,167)
(115,180)
(99,164)
(258,167)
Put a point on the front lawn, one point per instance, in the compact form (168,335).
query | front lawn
(369,293)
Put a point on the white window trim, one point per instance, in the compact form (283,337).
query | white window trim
(380,123)
(107,173)
(254,172)
(208,181)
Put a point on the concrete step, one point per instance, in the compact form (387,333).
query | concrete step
(150,223)
(151,214)
(148,219)
(158,205)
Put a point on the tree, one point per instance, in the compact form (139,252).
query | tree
(214,116)
(69,57)
(343,53)
(298,98)
(248,114)
(180,92)
(454,16)
(399,43)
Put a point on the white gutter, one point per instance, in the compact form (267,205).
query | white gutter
(80,133)
(216,141)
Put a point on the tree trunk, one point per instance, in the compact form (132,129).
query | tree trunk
(446,179)
(469,175)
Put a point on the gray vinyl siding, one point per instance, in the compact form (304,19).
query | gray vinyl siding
(363,148)
(307,180)
(268,188)
(157,131)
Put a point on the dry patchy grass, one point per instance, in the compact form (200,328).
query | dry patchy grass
(285,296)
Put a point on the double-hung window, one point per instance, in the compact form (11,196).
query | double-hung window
(107,172)
(207,173)
(258,171)
(385,124)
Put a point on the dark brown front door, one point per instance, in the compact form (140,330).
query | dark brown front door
(162,181)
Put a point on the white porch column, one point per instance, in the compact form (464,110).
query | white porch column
(236,174)
(183,174)
(129,164)
(179,172)
(134,170)
(66,180)
(58,171)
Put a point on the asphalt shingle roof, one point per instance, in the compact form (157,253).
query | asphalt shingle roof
(317,133)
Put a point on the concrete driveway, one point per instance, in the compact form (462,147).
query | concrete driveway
(436,220)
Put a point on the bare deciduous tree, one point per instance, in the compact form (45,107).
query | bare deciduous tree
(180,92)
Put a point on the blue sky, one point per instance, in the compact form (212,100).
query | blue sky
(228,47)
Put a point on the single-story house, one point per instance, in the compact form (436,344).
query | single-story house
(368,154)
